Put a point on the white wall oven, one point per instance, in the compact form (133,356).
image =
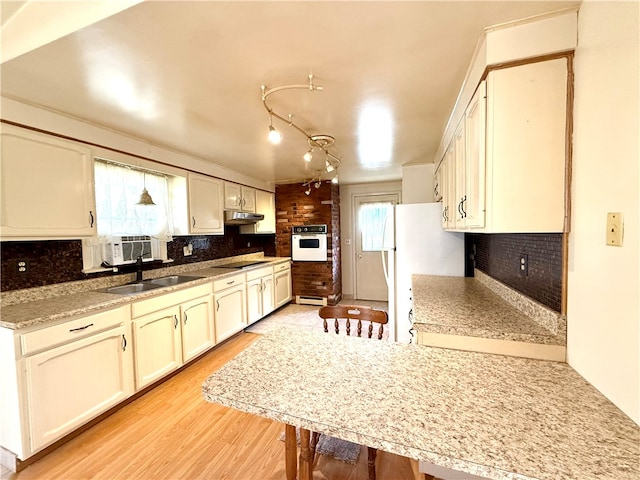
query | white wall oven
(309,243)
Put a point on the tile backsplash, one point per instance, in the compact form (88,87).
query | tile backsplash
(498,255)
(57,261)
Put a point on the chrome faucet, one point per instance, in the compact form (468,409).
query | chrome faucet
(139,269)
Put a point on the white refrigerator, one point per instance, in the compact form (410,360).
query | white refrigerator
(421,247)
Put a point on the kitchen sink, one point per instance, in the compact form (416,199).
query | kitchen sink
(172,280)
(131,288)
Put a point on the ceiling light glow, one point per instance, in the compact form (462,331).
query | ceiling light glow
(375,136)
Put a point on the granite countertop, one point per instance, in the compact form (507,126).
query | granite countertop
(34,311)
(465,306)
(496,416)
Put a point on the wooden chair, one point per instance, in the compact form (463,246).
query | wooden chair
(349,313)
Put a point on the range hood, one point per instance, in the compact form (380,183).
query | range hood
(241,218)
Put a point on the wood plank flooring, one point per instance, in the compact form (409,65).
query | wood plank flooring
(172,433)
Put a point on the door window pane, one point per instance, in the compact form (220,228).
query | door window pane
(375,225)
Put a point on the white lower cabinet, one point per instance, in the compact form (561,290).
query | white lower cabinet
(64,376)
(260,294)
(282,284)
(71,384)
(197,327)
(229,301)
(170,330)
(158,340)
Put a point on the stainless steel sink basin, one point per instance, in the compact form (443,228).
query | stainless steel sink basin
(131,288)
(172,280)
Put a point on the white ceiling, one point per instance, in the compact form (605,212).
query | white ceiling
(187,76)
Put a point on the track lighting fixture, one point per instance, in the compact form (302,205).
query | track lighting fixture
(334,179)
(318,142)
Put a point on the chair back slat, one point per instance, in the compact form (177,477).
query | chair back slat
(354,312)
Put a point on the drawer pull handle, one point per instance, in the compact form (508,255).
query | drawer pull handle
(231,282)
(217,305)
(175,322)
(81,328)
(124,343)
(185,318)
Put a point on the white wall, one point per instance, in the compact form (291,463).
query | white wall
(347,227)
(417,183)
(603,286)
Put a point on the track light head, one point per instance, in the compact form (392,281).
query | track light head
(274,136)
(308,155)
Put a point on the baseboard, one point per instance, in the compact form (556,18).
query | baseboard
(309,300)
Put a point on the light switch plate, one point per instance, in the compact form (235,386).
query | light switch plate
(615,228)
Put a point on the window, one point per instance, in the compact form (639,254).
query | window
(373,219)
(118,188)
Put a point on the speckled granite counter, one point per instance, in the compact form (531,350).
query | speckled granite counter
(68,300)
(496,416)
(459,306)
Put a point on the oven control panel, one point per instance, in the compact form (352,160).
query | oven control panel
(310,229)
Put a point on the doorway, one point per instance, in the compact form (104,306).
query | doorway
(374,241)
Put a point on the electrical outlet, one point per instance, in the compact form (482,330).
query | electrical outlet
(524,265)
(615,228)
(22,266)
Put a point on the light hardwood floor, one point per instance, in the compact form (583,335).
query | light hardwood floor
(172,433)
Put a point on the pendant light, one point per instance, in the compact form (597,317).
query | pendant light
(145,198)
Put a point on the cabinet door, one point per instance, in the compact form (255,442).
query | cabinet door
(475,139)
(157,340)
(232,196)
(254,300)
(58,202)
(248,199)
(268,295)
(282,288)
(73,383)
(266,205)
(230,313)
(459,155)
(448,188)
(197,327)
(526,148)
(205,204)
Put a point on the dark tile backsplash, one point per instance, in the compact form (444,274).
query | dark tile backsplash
(57,261)
(498,255)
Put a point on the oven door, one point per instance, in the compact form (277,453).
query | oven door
(309,247)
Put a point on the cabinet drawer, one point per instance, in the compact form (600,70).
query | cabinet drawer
(38,340)
(228,282)
(167,300)
(281,267)
(259,272)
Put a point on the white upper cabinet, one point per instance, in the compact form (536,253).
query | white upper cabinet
(526,147)
(266,205)
(46,185)
(205,196)
(239,197)
(473,206)
(508,154)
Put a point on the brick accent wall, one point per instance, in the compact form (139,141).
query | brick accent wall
(322,206)
(498,255)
